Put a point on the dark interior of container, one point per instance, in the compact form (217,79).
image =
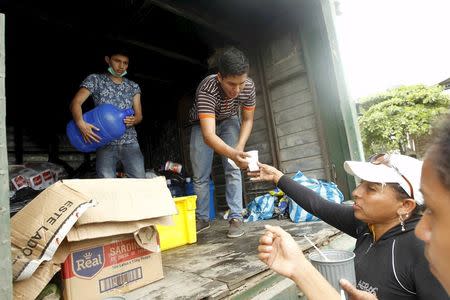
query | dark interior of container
(51,46)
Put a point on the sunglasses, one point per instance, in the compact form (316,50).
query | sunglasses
(385,159)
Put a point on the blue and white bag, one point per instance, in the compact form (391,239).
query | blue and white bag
(261,208)
(327,190)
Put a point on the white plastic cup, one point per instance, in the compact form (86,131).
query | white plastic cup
(340,265)
(253,160)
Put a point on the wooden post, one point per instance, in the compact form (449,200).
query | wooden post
(5,243)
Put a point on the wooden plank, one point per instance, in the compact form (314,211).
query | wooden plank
(280,50)
(300,151)
(299,138)
(282,58)
(303,164)
(259,124)
(285,75)
(294,113)
(216,266)
(257,137)
(172,286)
(292,100)
(271,131)
(288,88)
(266,158)
(298,125)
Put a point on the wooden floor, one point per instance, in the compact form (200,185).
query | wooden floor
(216,266)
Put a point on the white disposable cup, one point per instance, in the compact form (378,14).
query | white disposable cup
(253,160)
(340,265)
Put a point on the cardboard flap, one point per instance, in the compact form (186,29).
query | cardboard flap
(31,287)
(96,230)
(122,200)
(146,238)
(38,229)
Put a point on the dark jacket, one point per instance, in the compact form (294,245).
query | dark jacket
(394,267)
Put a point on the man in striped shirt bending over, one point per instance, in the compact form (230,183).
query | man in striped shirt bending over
(218,127)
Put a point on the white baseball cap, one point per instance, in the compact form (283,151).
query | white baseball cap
(390,168)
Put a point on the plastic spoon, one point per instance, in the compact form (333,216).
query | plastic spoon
(315,247)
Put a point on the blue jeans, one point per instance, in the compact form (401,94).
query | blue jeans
(201,159)
(129,154)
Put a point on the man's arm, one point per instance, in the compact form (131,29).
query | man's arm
(137,117)
(86,129)
(246,128)
(208,127)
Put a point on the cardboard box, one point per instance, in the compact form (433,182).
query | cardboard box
(123,206)
(39,228)
(47,177)
(57,171)
(105,267)
(123,200)
(19,182)
(34,179)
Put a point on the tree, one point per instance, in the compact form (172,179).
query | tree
(391,120)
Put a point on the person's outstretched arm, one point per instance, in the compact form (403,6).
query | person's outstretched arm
(278,250)
(281,253)
(337,215)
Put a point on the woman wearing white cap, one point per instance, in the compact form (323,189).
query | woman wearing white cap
(389,259)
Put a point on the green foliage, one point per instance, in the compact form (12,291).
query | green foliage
(390,117)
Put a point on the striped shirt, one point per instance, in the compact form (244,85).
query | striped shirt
(211,101)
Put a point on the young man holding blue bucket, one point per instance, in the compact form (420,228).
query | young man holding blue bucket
(114,89)
(217,127)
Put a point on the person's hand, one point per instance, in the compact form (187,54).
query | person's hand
(266,173)
(354,293)
(240,158)
(279,251)
(87,131)
(129,121)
